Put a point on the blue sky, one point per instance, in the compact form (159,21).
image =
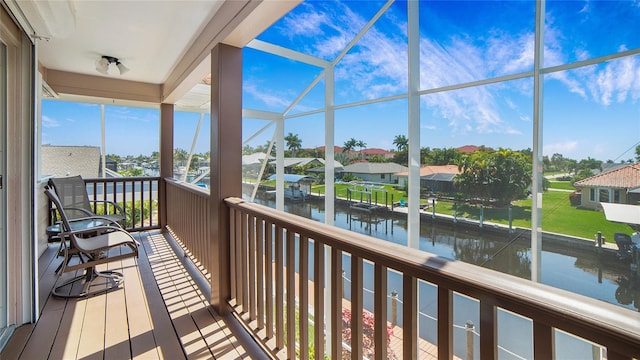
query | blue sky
(593,111)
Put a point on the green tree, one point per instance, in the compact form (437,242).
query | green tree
(503,175)
(401,142)
(401,157)
(180,156)
(132,172)
(293,143)
(349,145)
(446,156)
(638,153)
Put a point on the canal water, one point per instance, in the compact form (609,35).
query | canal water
(576,269)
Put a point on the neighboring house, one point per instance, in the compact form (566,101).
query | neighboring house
(375,152)
(375,172)
(435,178)
(337,168)
(323,149)
(59,161)
(290,163)
(254,159)
(621,186)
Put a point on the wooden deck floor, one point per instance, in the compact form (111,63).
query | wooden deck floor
(157,313)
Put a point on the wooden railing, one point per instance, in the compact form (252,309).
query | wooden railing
(137,195)
(188,218)
(272,298)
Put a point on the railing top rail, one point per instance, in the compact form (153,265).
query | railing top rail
(128,178)
(188,187)
(601,322)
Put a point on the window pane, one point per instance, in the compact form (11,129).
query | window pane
(581,30)
(474,40)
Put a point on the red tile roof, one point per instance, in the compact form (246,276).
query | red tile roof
(622,178)
(434,169)
(375,151)
(468,149)
(336,149)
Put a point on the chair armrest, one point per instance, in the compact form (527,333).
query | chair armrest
(108,221)
(95,229)
(119,209)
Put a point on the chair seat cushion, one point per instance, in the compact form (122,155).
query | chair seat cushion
(104,241)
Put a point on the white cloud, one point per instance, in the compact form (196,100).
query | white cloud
(48,122)
(560,148)
(272,100)
(306,23)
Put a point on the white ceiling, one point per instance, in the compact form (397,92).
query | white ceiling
(149,37)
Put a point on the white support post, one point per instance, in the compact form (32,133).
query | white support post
(193,146)
(329,189)
(280,164)
(104,146)
(536,204)
(413,226)
(329,141)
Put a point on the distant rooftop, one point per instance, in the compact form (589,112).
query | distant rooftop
(623,178)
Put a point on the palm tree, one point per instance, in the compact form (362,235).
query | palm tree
(352,143)
(293,143)
(349,145)
(401,142)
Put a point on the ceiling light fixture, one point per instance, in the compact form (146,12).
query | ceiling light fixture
(102,65)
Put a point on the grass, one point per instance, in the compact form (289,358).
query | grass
(561,185)
(558,216)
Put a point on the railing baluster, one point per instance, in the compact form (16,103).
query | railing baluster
(252,267)
(233,240)
(336,303)
(356,307)
(318,298)
(260,272)
(279,255)
(244,266)
(445,323)
(291,294)
(488,329)
(380,310)
(238,256)
(133,203)
(543,341)
(410,317)
(142,206)
(268,262)
(303,279)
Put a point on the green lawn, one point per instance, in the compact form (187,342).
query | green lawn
(561,185)
(558,216)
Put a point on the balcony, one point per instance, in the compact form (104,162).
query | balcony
(164,310)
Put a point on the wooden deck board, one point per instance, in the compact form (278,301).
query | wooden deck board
(157,313)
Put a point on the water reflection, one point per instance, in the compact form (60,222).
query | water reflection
(584,271)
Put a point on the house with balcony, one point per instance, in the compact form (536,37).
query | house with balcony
(218,276)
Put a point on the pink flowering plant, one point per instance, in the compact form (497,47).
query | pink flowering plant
(368,328)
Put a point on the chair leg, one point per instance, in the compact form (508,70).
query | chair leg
(66,289)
